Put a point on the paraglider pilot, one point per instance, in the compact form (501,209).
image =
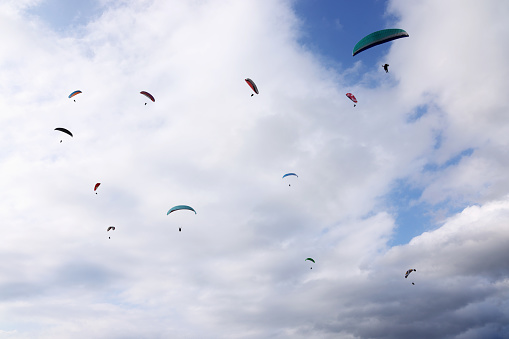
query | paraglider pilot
(386,68)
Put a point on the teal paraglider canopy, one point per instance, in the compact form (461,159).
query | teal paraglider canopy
(180,207)
(377,38)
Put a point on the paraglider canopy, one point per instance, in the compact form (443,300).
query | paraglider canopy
(180,207)
(74,93)
(65,130)
(377,38)
(96,185)
(352,97)
(148,95)
(252,85)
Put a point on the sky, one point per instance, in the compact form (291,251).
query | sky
(413,176)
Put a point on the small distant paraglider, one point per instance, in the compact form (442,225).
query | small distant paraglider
(377,38)
(110,228)
(290,174)
(310,259)
(386,68)
(353,98)
(407,273)
(252,85)
(96,186)
(64,130)
(74,94)
(178,208)
(148,95)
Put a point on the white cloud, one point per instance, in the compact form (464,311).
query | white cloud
(237,268)
(456,58)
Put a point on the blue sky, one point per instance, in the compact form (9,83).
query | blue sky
(332,28)
(66,16)
(414,176)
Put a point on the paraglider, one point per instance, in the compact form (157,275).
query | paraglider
(386,68)
(110,228)
(178,208)
(377,38)
(409,271)
(74,93)
(252,85)
(310,259)
(148,95)
(95,187)
(352,97)
(64,130)
(288,175)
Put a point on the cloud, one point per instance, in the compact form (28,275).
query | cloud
(237,269)
(440,62)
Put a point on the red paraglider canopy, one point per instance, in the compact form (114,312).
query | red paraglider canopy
(252,85)
(351,97)
(148,95)
(97,185)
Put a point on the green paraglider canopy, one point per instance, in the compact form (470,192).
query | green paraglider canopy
(310,259)
(180,207)
(377,38)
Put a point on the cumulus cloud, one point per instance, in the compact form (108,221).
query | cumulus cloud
(237,269)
